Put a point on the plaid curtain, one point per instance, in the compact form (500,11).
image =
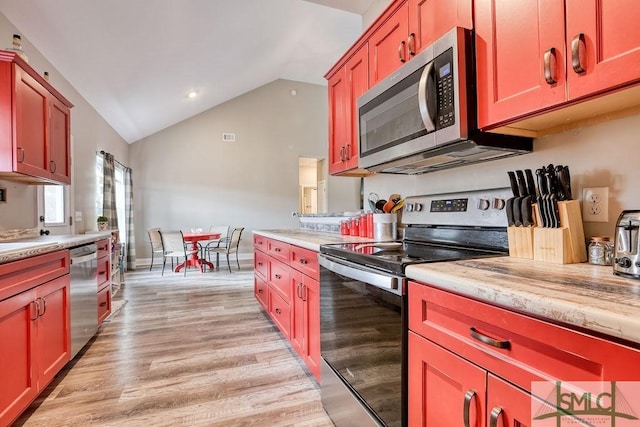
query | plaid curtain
(109,190)
(128,207)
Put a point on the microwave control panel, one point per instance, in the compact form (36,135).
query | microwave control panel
(443,66)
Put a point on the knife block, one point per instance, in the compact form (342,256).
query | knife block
(563,245)
(521,238)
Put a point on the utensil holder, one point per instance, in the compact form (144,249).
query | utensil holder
(563,245)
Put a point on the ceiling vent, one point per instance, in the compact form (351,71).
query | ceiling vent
(228,137)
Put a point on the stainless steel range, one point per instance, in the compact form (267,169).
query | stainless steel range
(363,300)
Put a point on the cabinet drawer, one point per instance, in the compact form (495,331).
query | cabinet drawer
(533,350)
(279,279)
(278,250)
(261,291)
(103,273)
(103,248)
(260,263)
(280,312)
(18,276)
(305,260)
(260,243)
(104,304)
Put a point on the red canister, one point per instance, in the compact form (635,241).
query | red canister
(344,227)
(369,224)
(364,226)
(355,226)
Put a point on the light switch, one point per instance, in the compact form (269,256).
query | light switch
(78,216)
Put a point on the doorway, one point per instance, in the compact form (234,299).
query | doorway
(312,195)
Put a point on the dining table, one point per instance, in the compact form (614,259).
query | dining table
(194,259)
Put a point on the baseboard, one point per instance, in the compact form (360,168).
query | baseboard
(245,259)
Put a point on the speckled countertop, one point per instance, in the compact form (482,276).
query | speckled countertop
(309,239)
(24,247)
(584,295)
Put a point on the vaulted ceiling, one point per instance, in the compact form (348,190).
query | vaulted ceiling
(136,61)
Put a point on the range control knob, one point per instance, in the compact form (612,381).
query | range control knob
(483,204)
(408,207)
(623,262)
(497,203)
(417,207)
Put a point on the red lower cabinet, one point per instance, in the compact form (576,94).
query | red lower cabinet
(290,292)
(34,331)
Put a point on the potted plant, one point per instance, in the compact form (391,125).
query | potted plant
(103,221)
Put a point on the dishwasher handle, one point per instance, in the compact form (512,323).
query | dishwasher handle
(84,258)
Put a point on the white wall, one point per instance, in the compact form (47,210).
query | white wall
(187,177)
(90,133)
(603,155)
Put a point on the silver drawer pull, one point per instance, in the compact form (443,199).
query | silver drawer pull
(488,340)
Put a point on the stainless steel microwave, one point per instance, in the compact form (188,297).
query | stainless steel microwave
(422,118)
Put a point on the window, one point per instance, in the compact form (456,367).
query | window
(54,205)
(120,195)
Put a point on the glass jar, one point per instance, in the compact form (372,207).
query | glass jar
(344,227)
(600,251)
(16,46)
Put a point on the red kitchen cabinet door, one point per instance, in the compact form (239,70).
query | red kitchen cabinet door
(430,19)
(280,312)
(312,297)
(512,39)
(31,108)
(59,142)
(609,52)
(338,120)
(444,389)
(507,405)
(261,292)
(298,327)
(104,304)
(357,74)
(19,342)
(388,46)
(54,349)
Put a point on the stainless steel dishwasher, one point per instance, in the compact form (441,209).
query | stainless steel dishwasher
(84,295)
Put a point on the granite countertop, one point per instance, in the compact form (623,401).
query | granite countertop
(309,239)
(24,247)
(584,295)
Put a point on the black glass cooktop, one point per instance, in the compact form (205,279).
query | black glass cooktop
(395,256)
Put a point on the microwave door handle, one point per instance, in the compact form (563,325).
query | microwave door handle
(423,98)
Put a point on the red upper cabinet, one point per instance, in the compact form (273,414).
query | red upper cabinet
(388,45)
(510,51)
(35,126)
(535,54)
(430,19)
(603,39)
(345,86)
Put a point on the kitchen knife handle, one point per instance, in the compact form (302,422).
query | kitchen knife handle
(509,211)
(522,185)
(517,215)
(514,183)
(525,212)
(531,184)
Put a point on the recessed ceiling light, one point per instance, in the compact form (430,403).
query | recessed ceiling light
(193,94)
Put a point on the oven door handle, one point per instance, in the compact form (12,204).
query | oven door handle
(359,273)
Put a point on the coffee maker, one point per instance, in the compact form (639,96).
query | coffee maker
(627,245)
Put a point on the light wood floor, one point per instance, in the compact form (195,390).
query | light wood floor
(194,352)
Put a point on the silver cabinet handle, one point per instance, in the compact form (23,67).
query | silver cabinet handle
(550,66)
(44,307)
(347,152)
(52,166)
(411,44)
(278,276)
(468,397)
(21,158)
(401,51)
(37,307)
(495,416)
(488,340)
(423,98)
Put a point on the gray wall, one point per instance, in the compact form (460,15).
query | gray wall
(90,133)
(187,177)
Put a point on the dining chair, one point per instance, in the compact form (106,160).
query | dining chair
(227,246)
(223,230)
(174,247)
(156,244)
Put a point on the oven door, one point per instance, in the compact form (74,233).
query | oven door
(363,344)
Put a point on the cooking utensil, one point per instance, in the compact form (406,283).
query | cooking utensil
(511,218)
(564,179)
(518,202)
(396,207)
(552,203)
(380,205)
(542,197)
(373,198)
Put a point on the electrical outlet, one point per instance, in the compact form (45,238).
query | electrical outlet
(595,204)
